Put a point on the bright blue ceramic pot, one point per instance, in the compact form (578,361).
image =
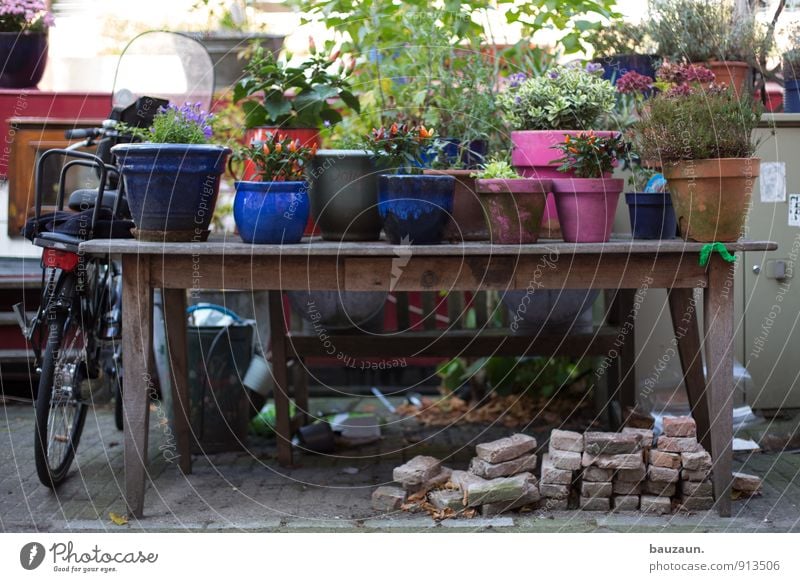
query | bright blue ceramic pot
(271,212)
(171,188)
(414,209)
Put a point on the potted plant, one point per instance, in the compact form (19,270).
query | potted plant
(23,42)
(273,208)
(513,205)
(414,207)
(791,74)
(172,180)
(649,203)
(587,200)
(703,139)
(542,110)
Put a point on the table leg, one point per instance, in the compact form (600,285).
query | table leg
(718,319)
(175,322)
(301,389)
(137,338)
(683,311)
(623,375)
(280,375)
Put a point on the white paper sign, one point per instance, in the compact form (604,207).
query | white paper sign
(794,209)
(773,182)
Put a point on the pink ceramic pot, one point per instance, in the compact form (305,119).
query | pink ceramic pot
(586,207)
(533,157)
(513,208)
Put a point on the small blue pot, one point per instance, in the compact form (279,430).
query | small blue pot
(171,188)
(791,96)
(652,215)
(271,213)
(414,209)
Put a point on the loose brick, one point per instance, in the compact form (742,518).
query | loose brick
(746,483)
(446,499)
(694,503)
(595,503)
(506,449)
(654,504)
(665,459)
(610,443)
(627,487)
(463,479)
(388,498)
(553,504)
(565,460)
(417,471)
(488,470)
(591,489)
(659,488)
(552,491)
(637,474)
(662,474)
(566,440)
(629,461)
(679,444)
(645,435)
(552,475)
(698,489)
(699,461)
(500,489)
(625,502)
(695,475)
(597,474)
(680,426)
(441,478)
(530,497)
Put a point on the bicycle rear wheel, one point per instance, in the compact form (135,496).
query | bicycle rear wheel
(60,412)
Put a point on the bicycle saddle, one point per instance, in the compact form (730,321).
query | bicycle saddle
(86,198)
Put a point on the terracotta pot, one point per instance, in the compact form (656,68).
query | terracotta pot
(586,207)
(513,208)
(734,74)
(533,157)
(467,221)
(712,197)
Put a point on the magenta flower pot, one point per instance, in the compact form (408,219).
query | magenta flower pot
(586,207)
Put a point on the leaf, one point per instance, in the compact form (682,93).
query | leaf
(276,105)
(351,101)
(254,114)
(117,519)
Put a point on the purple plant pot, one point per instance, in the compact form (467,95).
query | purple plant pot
(586,207)
(513,208)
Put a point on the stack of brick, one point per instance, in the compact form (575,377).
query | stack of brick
(560,467)
(416,477)
(694,490)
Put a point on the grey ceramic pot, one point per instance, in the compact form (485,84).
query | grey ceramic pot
(344,195)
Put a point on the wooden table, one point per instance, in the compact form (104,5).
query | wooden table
(317,265)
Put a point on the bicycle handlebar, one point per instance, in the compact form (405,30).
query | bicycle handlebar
(83,133)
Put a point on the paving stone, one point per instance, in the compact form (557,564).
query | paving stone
(680,426)
(565,460)
(687,475)
(627,487)
(697,488)
(696,503)
(447,499)
(700,461)
(746,483)
(552,491)
(637,474)
(478,523)
(625,503)
(597,474)
(388,498)
(593,489)
(655,504)
(550,474)
(595,503)
(487,470)
(417,471)
(625,461)
(500,489)
(441,478)
(610,443)
(506,449)
(665,459)
(645,435)
(530,497)
(679,444)
(662,474)
(660,489)
(566,440)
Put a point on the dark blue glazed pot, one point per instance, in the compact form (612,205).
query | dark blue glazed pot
(470,157)
(171,188)
(23,56)
(652,215)
(414,209)
(791,96)
(271,212)
(616,66)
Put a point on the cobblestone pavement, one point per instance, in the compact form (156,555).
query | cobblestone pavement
(248,491)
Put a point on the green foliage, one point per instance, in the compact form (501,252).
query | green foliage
(590,156)
(279,158)
(263,90)
(696,126)
(791,57)
(401,147)
(497,168)
(563,98)
(186,124)
(620,39)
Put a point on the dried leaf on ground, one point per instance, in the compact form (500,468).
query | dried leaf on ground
(117,519)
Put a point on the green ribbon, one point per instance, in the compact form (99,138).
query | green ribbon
(708,248)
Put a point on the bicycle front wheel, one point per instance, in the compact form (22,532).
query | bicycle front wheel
(60,412)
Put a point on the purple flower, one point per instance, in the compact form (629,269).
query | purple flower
(326,123)
(20,15)
(516,79)
(594,68)
(553,74)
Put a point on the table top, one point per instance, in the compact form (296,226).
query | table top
(233,246)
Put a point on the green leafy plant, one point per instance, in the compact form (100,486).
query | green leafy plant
(791,57)
(402,147)
(187,124)
(620,39)
(589,155)
(278,158)
(564,98)
(276,93)
(496,168)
